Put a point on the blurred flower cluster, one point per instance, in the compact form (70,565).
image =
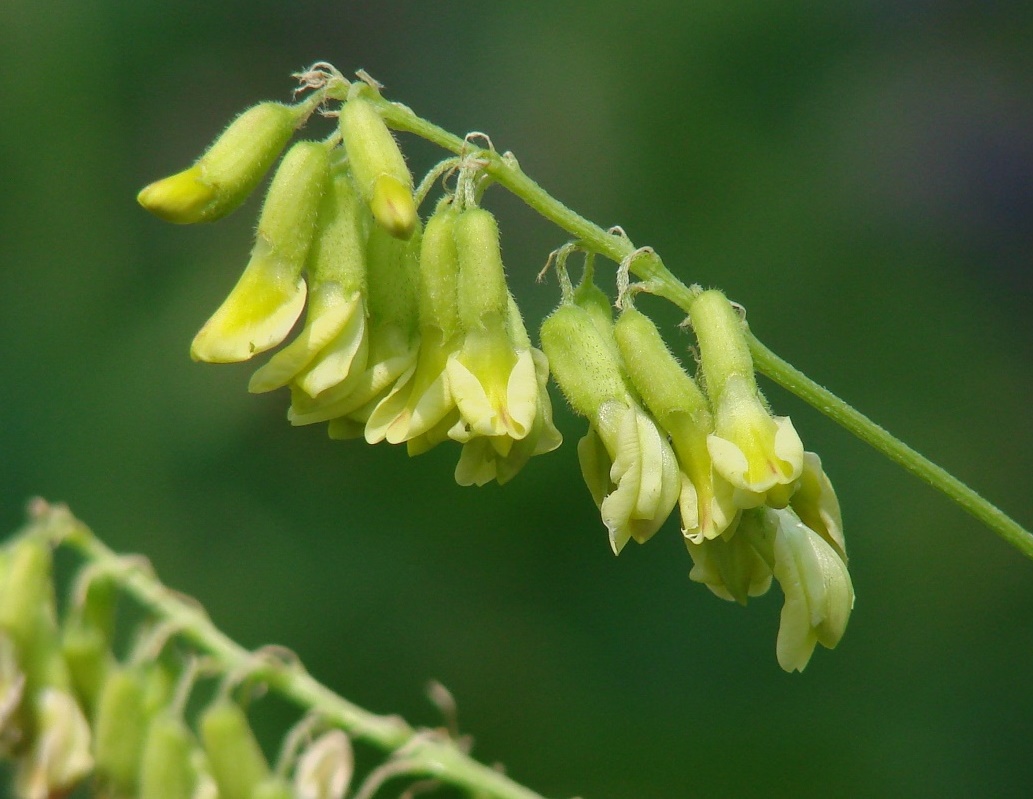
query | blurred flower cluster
(72,712)
(411,335)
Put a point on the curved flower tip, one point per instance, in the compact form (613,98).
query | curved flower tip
(256,316)
(816,504)
(182,198)
(494,387)
(327,317)
(626,460)
(819,594)
(760,455)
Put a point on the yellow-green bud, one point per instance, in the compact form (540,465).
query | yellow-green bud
(166,768)
(28,616)
(291,207)
(120,726)
(724,352)
(379,167)
(439,272)
(228,171)
(659,379)
(393,268)
(87,652)
(268,299)
(582,361)
(236,759)
(482,291)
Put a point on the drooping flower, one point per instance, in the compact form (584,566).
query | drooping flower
(484,459)
(628,465)
(267,300)
(760,455)
(393,336)
(325,768)
(819,594)
(418,405)
(334,339)
(492,377)
(675,401)
(731,565)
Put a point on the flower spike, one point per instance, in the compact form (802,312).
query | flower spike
(229,170)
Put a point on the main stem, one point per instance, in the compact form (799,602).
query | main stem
(424,753)
(650,268)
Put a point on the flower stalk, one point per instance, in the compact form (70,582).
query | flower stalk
(425,753)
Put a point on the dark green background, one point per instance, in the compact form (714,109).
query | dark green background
(859,175)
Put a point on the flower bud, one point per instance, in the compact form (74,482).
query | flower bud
(28,615)
(379,167)
(236,760)
(228,171)
(120,727)
(267,300)
(86,636)
(166,768)
(325,769)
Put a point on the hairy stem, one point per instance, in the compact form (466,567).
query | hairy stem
(425,753)
(650,268)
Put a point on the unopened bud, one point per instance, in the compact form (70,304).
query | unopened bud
(121,723)
(166,770)
(228,171)
(482,290)
(582,361)
(379,167)
(236,759)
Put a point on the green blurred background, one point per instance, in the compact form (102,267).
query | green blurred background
(859,175)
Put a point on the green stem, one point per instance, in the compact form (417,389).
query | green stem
(791,378)
(429,754)
(650,268)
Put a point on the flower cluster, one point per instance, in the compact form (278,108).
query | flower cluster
(71,711)
(410,334)
(753,504)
